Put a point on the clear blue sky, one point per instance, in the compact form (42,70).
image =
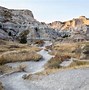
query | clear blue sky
(51,10)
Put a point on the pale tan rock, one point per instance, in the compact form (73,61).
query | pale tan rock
(71,24)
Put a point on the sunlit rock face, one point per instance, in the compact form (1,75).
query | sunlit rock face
(80,23)
(72,27)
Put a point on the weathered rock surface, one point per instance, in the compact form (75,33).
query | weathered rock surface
(13,22)
(85,52)
(77,23)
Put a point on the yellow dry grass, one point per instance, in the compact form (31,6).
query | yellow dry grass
(16,56)
(7,70)
(54,62)
(79,63)
(72,50)
(1,86)
(48,71)
(66,47)
(10,46)
(14,52)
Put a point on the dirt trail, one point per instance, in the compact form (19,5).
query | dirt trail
(14,81)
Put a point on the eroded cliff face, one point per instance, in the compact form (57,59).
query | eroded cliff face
(13,22)
(71,24)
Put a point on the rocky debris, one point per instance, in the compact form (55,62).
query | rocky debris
(85,52)
(3,34)
(24,76)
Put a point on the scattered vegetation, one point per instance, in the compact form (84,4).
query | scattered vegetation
(14,56)
(63,51)
(5,69)
(13,52)
(78,63)
(39,42)
(72,49)
(23,36)
(55,62)
(23,39)
(1,86)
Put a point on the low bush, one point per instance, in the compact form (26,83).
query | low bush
(1,86)
(78,63)
(55,62)
(39,42)
(16,56)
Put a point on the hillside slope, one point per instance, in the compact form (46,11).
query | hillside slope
(71,24)
(14,22)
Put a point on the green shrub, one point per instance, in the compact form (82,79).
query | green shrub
(23,40)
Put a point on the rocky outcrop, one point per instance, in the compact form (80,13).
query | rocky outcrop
(71,24)
(14,22)
(56,25)
(72,27)
(85,52)
(15,15)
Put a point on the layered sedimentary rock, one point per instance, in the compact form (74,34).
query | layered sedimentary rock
(13,22)
(77,27)
(71,24)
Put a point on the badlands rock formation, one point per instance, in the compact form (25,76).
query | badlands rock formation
(14,22)
(71,24)
(77,28)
